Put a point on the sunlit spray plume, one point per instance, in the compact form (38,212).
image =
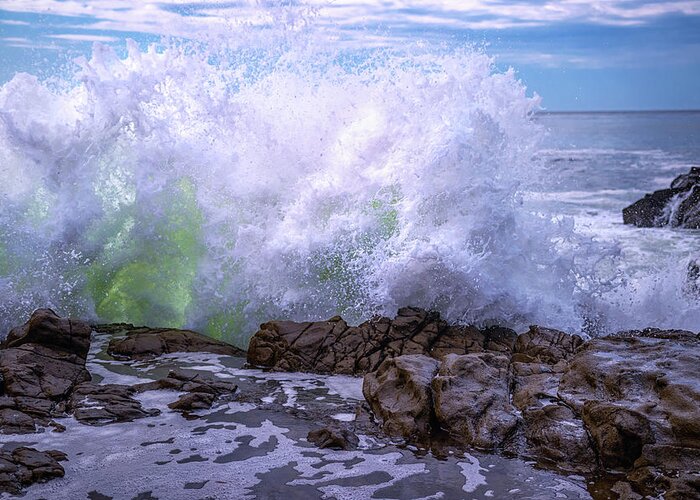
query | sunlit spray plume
(218,186)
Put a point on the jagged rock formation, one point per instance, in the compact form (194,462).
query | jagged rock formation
(334,347)
(143,342)
(639,396)
(621,403)
(678,206)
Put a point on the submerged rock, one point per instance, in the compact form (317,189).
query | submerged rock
(144,342)
(201,391)
(678,206)
(334,438)
(334,347)
(95,404)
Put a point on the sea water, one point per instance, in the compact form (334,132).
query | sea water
(216,186)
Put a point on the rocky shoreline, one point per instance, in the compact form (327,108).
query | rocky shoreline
(621,410)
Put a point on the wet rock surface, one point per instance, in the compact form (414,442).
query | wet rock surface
(44,376)
(470,393)
(335,438)
(143,342)
(256,444)
(334,347)
(678,206)
(201,390)
(41,362)
(399,394)
(24,466)
(623,408)
(95,404)
(628,403)
(639,396)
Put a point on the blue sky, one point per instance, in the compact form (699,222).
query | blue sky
(577,54)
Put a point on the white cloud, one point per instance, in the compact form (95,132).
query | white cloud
(160,18)
(12,22)
(74,37)
(369,22)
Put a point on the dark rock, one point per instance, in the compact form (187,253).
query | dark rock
(57,427)
(545,345)
(41,362)
(25,466)
(334,347)
(687,181)
(619,434)
(334,438)
(36,371)
(678,206)
(94,404)
(16,422)
(692,281)
(399,393)
(46,328)
(638,394)
(143,342)
(556,436)
(193,401)
(470,394)
(202,391)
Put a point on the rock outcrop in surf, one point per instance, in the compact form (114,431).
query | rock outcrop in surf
(678,206)
(623,406)
(43,375)
(626,402)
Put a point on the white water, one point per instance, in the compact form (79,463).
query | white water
(219,189)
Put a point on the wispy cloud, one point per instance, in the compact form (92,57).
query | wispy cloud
(76,37)
(12,22)
(175,15)
(369,23)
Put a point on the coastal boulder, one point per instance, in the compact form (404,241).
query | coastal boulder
(41,362)
(678,206)
(399,394)
(471,398)
(334,438)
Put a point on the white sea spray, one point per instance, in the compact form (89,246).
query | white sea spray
(210,187)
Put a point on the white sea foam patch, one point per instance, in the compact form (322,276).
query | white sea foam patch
(190,186)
